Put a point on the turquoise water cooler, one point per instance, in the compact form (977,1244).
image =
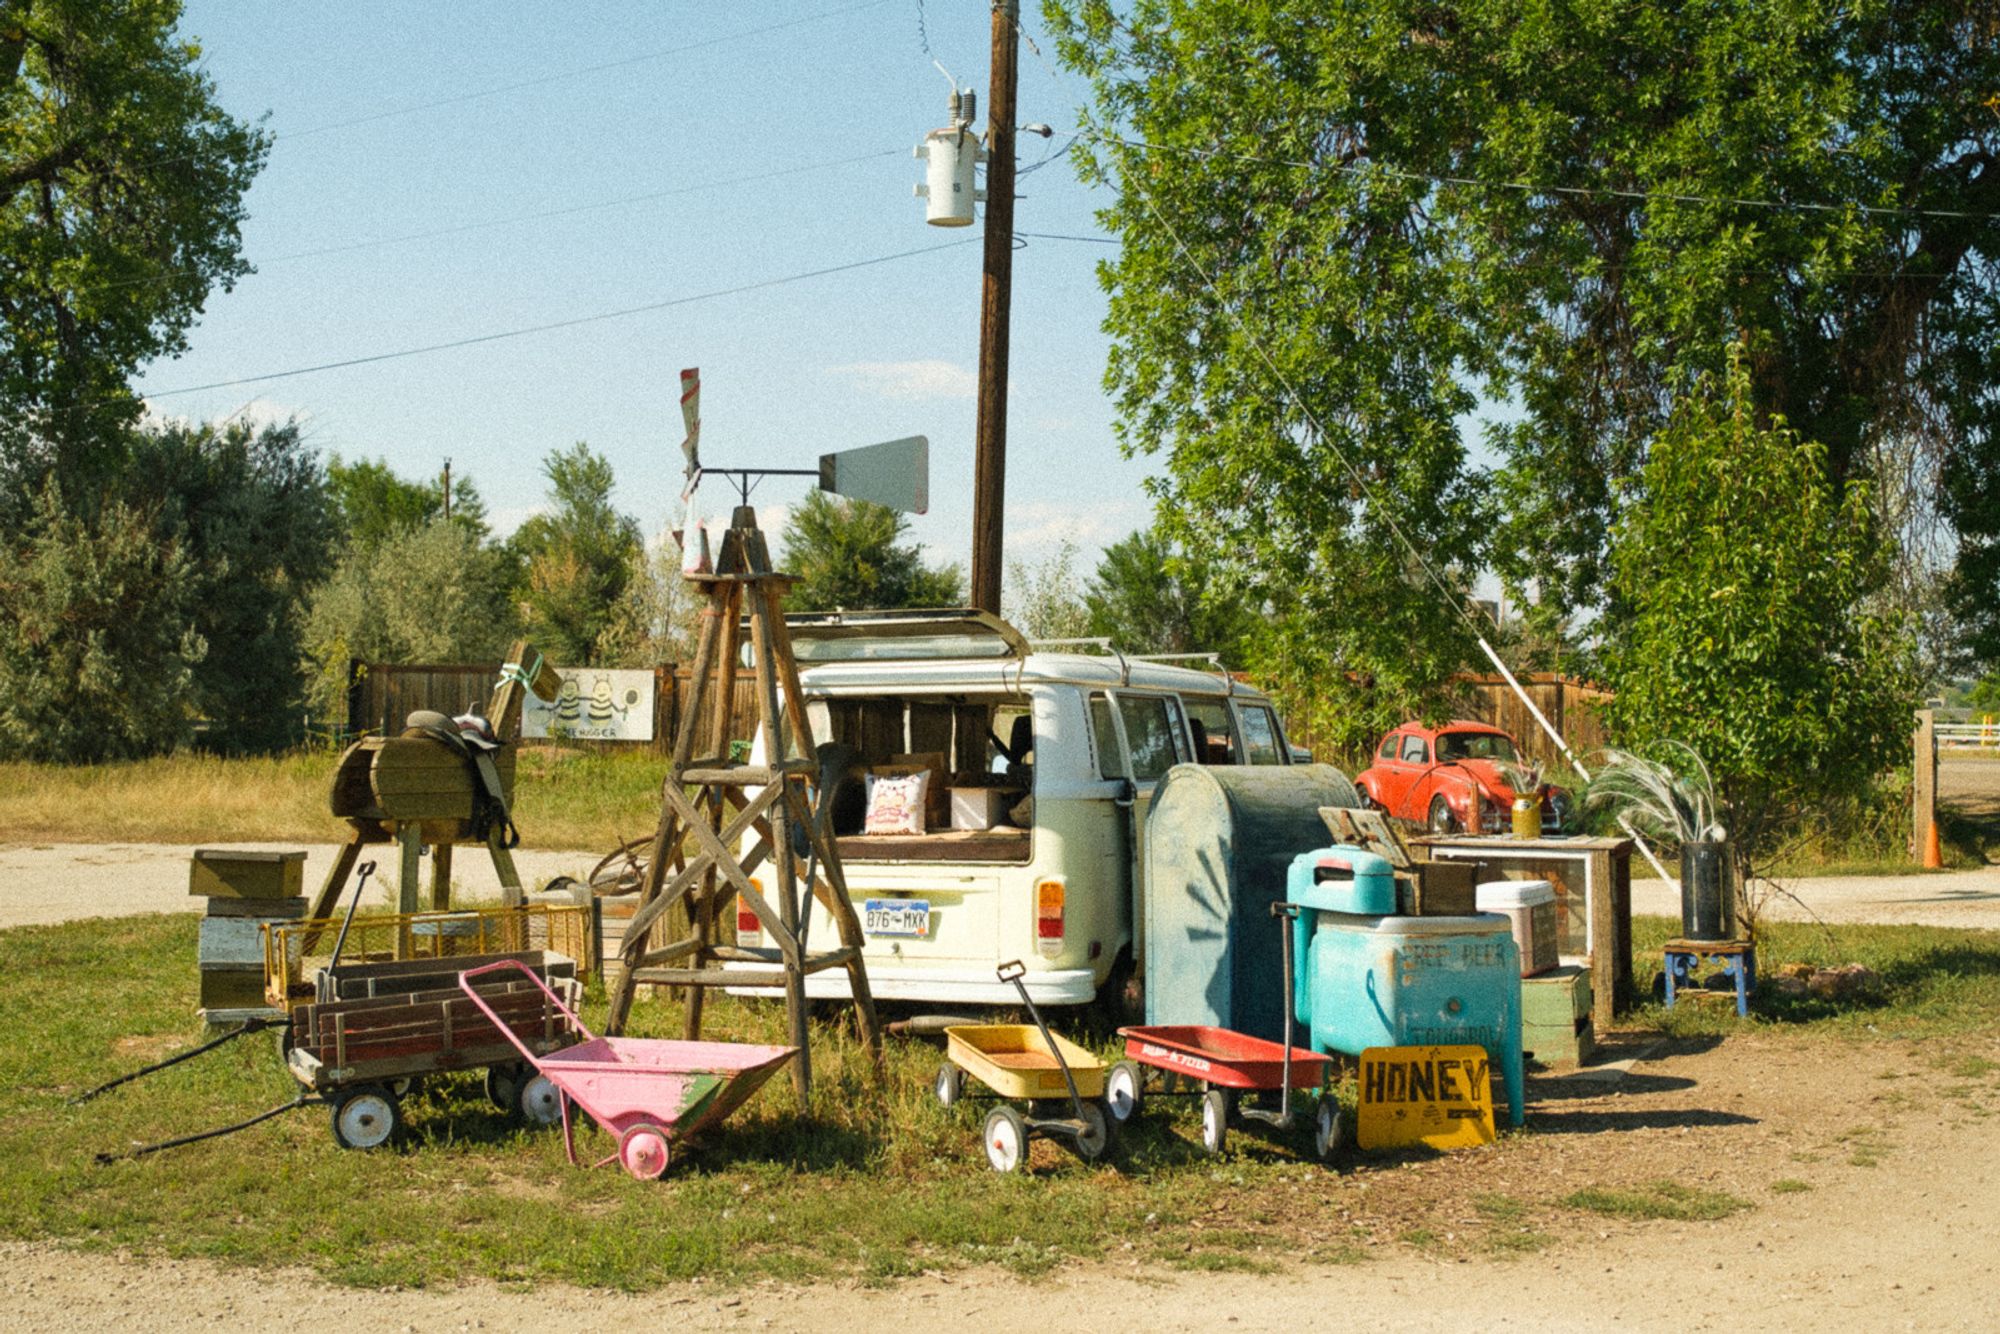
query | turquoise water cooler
(1368,978)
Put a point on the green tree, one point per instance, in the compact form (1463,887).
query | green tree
(1755,634)
(248,511)
(848,554)
(374,503)
(429,594)
(1045,601)
(1346,223)
(121,197)
(577,557)
(1149,598)
(97,651)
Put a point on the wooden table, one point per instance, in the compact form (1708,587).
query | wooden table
(1593,883)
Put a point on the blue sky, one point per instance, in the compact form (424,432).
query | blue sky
(635,123)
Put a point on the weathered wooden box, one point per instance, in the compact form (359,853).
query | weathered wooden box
(1555,1016)
(220,873)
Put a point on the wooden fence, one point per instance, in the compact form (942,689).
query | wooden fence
(380,696)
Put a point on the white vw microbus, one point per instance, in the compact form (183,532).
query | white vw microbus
(1041,764)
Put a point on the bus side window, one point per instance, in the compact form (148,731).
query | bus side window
(1208,720)
(1153,729)
(1260,735)
(1103,731)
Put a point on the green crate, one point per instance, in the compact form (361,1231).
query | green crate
(1555,1016)
(221,873)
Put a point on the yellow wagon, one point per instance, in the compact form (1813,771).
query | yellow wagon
(1061,1082)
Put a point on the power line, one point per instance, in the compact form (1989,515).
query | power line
(1377,168)
(489,223)
(477,339)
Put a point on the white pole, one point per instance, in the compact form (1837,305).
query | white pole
(1563,746)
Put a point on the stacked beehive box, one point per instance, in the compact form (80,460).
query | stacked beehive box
(245,892)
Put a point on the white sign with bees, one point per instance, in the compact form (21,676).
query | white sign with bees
(596,704)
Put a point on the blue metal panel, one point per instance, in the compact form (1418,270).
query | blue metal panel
(1219,842)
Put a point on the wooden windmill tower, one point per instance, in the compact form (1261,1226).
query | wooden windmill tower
(722,820)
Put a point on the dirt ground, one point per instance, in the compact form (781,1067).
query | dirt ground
(1884,1216)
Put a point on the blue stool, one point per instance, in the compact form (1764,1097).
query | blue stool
(1737,959)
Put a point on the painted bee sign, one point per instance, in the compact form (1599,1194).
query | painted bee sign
(595,704)
(1437,1096)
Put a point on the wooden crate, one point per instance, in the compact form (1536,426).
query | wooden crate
(221,873)
(1437,889)
(1555,1016)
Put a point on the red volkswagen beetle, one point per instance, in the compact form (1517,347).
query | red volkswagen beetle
(1428,774)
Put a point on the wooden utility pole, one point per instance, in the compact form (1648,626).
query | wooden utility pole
(989,468)
(1923,791)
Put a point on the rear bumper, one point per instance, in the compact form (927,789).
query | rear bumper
(1062,986)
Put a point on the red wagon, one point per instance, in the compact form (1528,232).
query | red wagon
(645,1092)
(1221,1065)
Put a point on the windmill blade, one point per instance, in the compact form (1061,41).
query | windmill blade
(691,414)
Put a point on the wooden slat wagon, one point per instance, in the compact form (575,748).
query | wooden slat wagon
(363,1050)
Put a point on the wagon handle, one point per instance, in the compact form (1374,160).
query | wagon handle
(465,985)
(1286,912)
(1013,971)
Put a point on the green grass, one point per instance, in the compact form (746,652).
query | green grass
(1790,1186)
(1658,1200)
(871,1182)
(1934,982)
(563,799)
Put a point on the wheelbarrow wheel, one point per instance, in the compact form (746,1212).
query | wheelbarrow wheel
(503,1087)
(1095,1141)
(950,1084)
(1215,1120)
(1329,1128)
(643,1151)
(365,1117)
(1006,1138)
(1124,1090)
(541,1101)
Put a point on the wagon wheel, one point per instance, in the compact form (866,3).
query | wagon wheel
(1442,821)
(1124,1090)
(503,1087)
(1095,1141)
(1214,1120)
(365,1117)
(643,1151)
(541,1101)
(949,1085)
(1329,1129)
(1006,1137)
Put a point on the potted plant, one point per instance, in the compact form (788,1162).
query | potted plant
(1676,804)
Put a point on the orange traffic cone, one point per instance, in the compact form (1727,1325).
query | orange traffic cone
(1933,851)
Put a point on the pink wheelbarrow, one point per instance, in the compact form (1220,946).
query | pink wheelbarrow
(644,1092)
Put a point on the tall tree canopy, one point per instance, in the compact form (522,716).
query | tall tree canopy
(849,554)
(1149,598)
(1754,633)
(121,195)
(1345,222)
(375,504)
(578,555)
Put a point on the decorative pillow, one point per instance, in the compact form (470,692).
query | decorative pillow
(896,805)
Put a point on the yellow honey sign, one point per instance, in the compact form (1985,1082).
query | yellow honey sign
(1441,1097)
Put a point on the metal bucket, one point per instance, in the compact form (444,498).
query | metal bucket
(1708,892)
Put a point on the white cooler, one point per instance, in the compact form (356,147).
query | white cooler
(1530,905)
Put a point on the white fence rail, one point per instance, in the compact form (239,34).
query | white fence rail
(1980,733)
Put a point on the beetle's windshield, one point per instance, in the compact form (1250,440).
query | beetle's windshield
(1474,746)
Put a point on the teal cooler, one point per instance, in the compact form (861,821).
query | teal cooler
(1368,978)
